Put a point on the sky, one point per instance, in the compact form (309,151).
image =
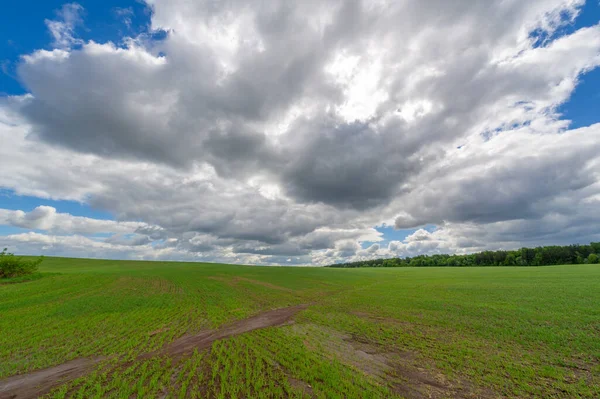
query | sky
(298,133)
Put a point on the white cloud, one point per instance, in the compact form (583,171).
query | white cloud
(46,218)
(63,28)
(80,246)
(125,14)
(259,135)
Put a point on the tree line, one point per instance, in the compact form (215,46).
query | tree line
(540,256)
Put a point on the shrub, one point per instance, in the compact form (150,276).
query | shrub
(593,258)
(15,266)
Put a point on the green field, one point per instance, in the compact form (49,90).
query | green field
(385,332)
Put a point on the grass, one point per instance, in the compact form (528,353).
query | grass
(21,279)
(399,332)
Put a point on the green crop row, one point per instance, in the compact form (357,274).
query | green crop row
(513,332)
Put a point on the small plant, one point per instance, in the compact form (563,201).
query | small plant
(15,266)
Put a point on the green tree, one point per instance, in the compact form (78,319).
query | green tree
(510,260)
(15,266)
(593,258)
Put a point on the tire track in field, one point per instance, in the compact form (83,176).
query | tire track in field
(203,340)
(40,382)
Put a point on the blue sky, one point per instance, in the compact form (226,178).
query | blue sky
(12,201)
(583,107)
(23,31)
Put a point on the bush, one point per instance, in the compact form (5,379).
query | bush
(15,266)
(593,258)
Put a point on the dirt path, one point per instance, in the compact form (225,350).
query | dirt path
(203,340)
(40,382)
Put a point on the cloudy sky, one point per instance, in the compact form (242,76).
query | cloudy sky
(300,133)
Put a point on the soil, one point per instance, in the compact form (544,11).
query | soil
(204,340)
(40,382)
(301,385)
(405,372)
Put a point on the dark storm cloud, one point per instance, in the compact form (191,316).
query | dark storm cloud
(522,185)
(126,240)
(347,165)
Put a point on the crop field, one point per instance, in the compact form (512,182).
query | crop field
(117,329)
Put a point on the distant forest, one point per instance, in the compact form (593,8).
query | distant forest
(540,256)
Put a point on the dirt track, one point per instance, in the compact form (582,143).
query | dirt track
(40,382)
(186,344)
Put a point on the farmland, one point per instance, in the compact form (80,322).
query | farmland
(163,329)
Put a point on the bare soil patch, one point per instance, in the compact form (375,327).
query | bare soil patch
(37,383)
(409,375)
(40,382)
(301,385)
(405,372)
